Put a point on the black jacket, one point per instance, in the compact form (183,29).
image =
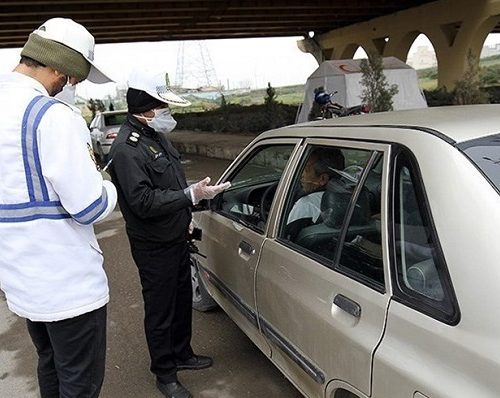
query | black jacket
(147,172)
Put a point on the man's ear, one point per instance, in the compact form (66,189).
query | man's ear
(324,178)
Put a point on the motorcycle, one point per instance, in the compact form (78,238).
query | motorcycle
(329,108)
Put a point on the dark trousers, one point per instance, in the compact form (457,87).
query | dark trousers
(165,274)
(71,355)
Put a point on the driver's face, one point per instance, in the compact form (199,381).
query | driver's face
(309,180)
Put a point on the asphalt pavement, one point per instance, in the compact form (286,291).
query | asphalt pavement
(240,369)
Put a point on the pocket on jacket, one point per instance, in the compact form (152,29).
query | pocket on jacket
(160,165)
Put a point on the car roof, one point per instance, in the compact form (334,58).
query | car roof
(454,124)
(105,113)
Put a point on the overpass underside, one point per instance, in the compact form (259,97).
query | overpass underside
(454,28)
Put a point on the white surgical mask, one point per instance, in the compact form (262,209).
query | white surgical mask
(67,94)
(162,121)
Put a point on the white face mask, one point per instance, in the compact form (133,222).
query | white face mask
(67,94)
(162,121)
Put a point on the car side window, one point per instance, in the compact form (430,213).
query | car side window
(253,186)
(115,119)
(421,276)
(361,253)
(320,198)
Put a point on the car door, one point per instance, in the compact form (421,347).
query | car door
(235,229)
(321,289)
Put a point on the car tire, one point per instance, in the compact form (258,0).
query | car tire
(202,301)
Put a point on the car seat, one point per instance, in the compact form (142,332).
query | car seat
(334,205)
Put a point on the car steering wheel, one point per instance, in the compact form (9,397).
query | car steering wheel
(265,203)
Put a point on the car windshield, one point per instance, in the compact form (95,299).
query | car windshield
(115,119)
(485,154)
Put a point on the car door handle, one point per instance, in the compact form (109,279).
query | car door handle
(348,305)
(246,248)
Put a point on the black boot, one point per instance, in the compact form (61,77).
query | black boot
(173,390)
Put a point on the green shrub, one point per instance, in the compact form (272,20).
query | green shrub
(377,92)
(493,93)
(238,119)
(439,97)
(468,89)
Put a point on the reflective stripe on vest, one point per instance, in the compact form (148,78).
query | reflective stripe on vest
(37,188)
(39,205)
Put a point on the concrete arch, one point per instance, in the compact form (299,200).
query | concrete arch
(348,51)
(417,54)
(360,53)
(369,47)
(399,44)
(454,27)
(484,30)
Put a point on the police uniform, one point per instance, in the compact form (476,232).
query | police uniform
(147,172)
(51,267)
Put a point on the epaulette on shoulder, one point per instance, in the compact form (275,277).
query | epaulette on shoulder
(133,138)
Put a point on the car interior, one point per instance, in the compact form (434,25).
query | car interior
(414,245)
(361,251)
(250,204)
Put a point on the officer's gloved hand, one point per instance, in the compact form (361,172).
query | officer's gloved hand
(201,190)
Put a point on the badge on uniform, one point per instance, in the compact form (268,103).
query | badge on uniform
(133,138)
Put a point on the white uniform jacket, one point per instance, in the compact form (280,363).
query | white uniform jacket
(51,266)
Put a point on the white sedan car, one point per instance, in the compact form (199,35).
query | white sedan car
(390,286)
(103,131)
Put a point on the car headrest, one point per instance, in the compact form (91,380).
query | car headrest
(423,278)
(335,202)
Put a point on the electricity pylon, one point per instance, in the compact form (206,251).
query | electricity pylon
(194,66)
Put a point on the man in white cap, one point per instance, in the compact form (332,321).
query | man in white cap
(156,203)
(50,195)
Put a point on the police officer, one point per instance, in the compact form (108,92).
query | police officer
(50,195)
(156,204)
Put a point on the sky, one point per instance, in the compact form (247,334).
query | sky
(237,62)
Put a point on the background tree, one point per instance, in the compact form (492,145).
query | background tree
(468,90)
(223,101)
(377,92)
(273,110)
(95,105)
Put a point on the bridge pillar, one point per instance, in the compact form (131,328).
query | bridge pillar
(454,27)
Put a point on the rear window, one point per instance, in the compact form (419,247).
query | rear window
(485,154)
(116,119)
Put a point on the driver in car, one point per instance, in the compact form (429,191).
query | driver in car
(319,169)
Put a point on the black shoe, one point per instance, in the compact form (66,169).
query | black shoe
(195,362)
(173,390)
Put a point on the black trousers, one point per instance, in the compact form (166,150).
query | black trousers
(71,355)
(165,274)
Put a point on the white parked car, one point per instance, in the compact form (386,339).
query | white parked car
(103,131)
(390,287)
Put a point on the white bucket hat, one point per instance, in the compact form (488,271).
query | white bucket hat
(157,85)
(75,36)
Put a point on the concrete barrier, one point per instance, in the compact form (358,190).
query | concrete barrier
(213,145)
